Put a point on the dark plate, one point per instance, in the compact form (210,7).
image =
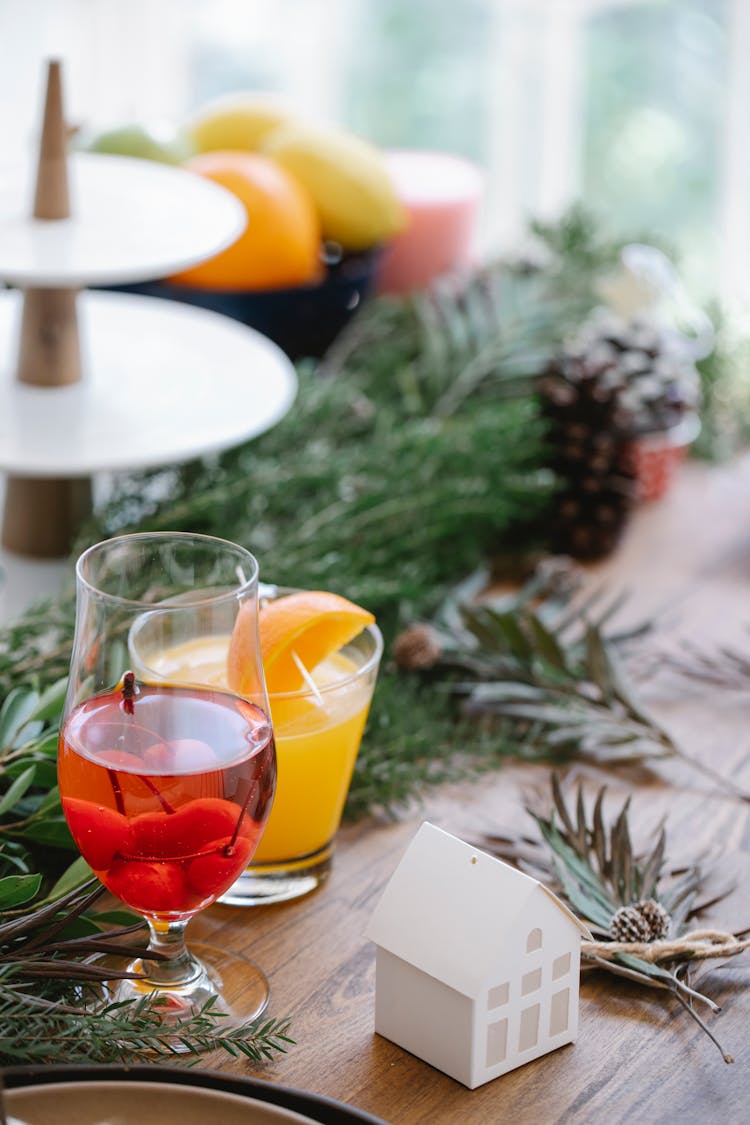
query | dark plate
(320,1109)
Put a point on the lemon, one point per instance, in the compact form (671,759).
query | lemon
(237,121)
(347,178)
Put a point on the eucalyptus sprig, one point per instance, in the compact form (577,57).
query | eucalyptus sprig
(31,819)
(725,666)
(641,910)
(549,666)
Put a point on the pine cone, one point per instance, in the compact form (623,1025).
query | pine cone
(652,363)
(588,435)
(417,648)
(641,921)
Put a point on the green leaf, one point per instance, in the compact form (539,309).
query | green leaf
(48,830)
(50,703)
(621,858)
(117,918)
(46,745)
(74,876)
(652,868)
(547,714)
(577,875)
(559,803)
(515,638)
(16,791)
(79,927)
(646,967)
(46,775)
(583,903)
(18,708)
(598,835)
(547,644)
(599,664)
(18,889)
(50,802)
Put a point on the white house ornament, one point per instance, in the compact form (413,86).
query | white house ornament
(477,964)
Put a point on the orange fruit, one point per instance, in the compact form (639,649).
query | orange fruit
(312,624)
(280,245)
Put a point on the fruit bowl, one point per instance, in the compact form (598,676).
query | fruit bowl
(303,320)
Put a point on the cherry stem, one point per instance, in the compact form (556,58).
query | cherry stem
(116,789)
(128,693)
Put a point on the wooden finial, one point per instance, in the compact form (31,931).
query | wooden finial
(49,353)
(52,197)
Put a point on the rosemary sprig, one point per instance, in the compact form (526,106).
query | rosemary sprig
(594,867)
(48,969)
(36,1030)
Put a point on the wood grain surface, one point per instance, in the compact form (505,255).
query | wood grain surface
(639,1057)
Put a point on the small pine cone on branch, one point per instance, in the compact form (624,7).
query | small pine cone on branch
(641,921)
(417,648)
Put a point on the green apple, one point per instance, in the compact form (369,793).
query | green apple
(153,142)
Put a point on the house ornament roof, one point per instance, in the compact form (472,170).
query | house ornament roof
(449,909)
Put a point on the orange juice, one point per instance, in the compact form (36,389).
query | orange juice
(317,739)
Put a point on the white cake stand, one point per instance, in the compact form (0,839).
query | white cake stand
(131,220)
(163,382)
(145,382)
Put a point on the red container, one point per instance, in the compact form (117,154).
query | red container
(656,457)
(440,194)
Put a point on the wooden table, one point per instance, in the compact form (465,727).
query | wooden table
(639,1057)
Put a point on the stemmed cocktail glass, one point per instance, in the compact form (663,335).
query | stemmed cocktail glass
(167,786)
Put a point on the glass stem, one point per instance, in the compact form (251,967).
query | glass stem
(179,966)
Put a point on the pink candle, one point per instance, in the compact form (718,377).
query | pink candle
(440,194)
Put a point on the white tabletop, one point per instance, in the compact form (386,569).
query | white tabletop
(163,382)
(131,220)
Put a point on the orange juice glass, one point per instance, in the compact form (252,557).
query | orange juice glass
(318,731)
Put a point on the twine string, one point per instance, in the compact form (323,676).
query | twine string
(696,945)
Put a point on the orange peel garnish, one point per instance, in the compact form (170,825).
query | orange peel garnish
(309,625)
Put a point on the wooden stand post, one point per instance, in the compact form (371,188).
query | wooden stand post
(52,197)
(50,353)
(42,515)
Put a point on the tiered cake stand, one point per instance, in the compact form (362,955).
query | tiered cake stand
(96,382)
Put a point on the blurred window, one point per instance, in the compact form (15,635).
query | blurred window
(639,107)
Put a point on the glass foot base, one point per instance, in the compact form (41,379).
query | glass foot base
(264,883)
(238,988)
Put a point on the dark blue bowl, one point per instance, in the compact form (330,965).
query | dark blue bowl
(303,320)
